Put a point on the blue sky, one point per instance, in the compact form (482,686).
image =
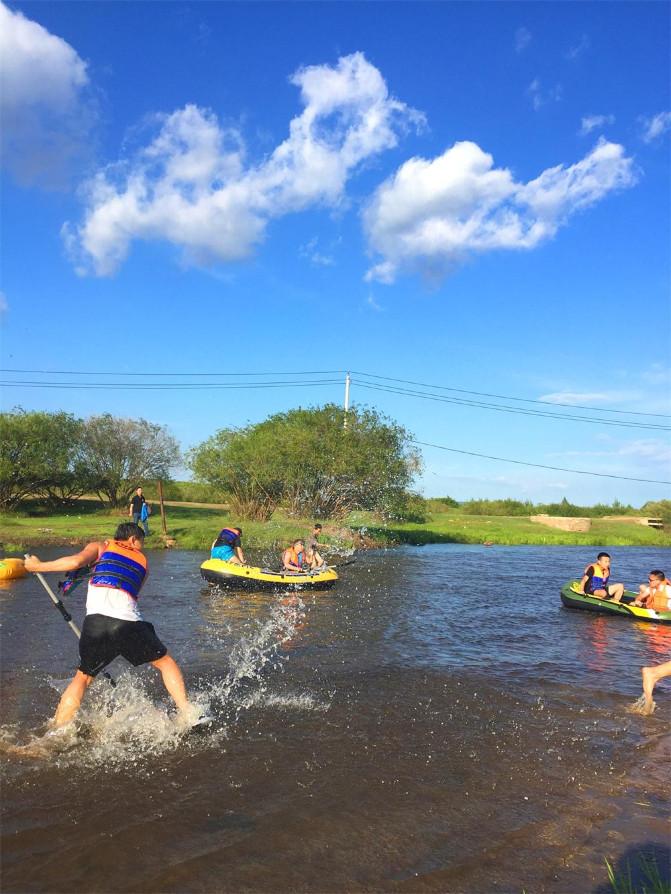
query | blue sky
(473,196)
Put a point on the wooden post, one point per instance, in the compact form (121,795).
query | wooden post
(160,497)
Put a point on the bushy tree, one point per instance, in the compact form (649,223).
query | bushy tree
(40,455)
(120,453)
(311,463)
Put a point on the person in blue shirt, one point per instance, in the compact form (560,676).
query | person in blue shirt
(228,547)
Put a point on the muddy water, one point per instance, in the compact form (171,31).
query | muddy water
(437,722)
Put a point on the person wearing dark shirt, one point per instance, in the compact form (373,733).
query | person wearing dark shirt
(135,508)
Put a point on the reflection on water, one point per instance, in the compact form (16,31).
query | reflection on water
(438,721)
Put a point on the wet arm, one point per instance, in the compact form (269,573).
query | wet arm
(67,563)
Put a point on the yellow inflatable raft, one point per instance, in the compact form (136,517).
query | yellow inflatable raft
(11,569)
(249,577)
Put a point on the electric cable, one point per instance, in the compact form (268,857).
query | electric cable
(519,462)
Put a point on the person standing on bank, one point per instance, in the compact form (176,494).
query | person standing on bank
(136,503)
(113,625)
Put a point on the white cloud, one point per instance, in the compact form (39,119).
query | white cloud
(191,186)
(584,397)
(578,48)
(656,126)
(541,96)
(592,122)
(651,449)
(522,39)
(432,214)
(45,108)
(317,257)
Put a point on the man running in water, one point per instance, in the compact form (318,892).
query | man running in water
(651,676)
(113,625)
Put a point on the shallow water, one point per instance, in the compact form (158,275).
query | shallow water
(437,722)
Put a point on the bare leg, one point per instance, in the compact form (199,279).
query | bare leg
(173,681)
(72,699)
(616,592)
(652,675)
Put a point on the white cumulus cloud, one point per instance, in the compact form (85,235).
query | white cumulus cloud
(45,110)
(656,126)
(192,187)
(432,214)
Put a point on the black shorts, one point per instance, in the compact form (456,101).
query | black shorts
(104,639)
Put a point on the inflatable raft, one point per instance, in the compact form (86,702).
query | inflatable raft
(11,569)
(573,599)
(249,577)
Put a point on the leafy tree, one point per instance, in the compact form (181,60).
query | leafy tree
(120,453)
(308,461)
(40,456)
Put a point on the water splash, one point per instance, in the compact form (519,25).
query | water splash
(122,726)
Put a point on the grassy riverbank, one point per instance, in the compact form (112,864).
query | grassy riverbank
(193,527)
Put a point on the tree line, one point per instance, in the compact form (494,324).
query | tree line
(317,462)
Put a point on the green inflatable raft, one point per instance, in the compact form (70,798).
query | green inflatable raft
(572,598)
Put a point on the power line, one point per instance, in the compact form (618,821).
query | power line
(116,372)
(508,397)
(519,462)
(502,408)
(168,386)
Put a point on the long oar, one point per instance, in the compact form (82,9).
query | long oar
(66,615)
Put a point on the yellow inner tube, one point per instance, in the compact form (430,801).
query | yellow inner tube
(252,572)
(10,569)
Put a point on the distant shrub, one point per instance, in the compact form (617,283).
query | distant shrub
(497,507)
(409,508)
(657,509)
(442,504)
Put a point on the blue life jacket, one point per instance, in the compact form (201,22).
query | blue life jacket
(227,537)
(121,568)
(594,581)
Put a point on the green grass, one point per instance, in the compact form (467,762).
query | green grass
(195,527)
(651,883)
(192,527)
(455,526)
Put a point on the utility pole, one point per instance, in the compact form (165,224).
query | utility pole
(347,384)
(160,497)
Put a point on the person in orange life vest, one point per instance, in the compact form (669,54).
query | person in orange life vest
(113,625)
(594,582)
(228,547)
(656,594)
(295,559)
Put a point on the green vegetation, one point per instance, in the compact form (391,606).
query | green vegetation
(58,458)
(317,463)
(651,878)
(194,527)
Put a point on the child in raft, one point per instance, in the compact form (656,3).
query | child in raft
(656,594)
(594,582)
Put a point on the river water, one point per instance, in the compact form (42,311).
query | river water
(436,722)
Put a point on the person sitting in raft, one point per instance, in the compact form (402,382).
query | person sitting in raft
(656,594)
(594,581)
(295,558)
(228,546)
(312,548)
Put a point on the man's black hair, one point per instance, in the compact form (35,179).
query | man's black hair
(658,573)
(603,556)
(317,525)
(126,530)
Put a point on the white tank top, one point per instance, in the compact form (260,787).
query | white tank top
(113,603)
